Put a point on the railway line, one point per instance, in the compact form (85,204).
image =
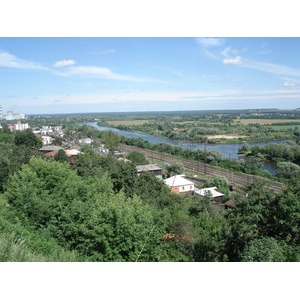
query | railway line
(233,177)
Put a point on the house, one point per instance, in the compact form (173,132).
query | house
(46,139)
(153,168)
(210,192)
(179,184)
(86,141)
(47,149)
(102,149)
(70,153)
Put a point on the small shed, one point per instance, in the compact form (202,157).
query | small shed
(153,168)
(210,192)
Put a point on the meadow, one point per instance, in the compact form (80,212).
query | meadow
(263,121)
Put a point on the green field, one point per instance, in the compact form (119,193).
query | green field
(285,127)
(263,121)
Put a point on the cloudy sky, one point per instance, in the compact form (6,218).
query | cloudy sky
(71,75)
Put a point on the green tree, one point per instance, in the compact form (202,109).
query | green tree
(111,139)
(218,181)
(265,249)
(28,139)
(61,156)
(151,190)
(250,219)
(287,170)
(137,158)
(251,164)
(175,168)
(244,148)
(11,159)
(123,176)
(57,141)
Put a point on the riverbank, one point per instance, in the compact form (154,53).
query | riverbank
(211,139)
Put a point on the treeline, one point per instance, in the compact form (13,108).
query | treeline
(286,155)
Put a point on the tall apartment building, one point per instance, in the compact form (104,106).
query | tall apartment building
(1,117)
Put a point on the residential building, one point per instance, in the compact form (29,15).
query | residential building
(179,184)
(210,192)
(21,127)
(86,141)
(47,149)
(155,169)
(46,139)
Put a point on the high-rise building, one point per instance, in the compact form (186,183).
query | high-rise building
(1,117)
(10,115)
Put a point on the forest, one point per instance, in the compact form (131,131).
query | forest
(95,208)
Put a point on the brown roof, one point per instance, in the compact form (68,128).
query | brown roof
(52,153)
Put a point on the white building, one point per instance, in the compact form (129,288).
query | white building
(179,184)
(46,140)
(20,127)
(86,141)
(210,193)
(11,116)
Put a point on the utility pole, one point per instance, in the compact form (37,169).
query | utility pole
(205,156)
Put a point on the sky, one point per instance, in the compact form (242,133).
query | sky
(42,75)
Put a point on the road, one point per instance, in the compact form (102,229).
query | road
(233,177)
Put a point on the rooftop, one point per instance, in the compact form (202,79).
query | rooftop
(50,148)
(177,180)
(144,168)
(212,191)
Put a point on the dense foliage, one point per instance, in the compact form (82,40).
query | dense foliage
(96,208)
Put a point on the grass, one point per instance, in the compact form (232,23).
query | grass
(284,127)
(263,121)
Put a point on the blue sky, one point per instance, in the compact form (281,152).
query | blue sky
(41,75)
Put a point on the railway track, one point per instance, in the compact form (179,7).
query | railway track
(234,177)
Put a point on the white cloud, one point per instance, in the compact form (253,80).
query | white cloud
(272,68)
(289,84)
(233,61)
(226,51)
(10,61)
(64,63)
(98,72)
(210,41)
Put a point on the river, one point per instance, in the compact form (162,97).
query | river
(227,150)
